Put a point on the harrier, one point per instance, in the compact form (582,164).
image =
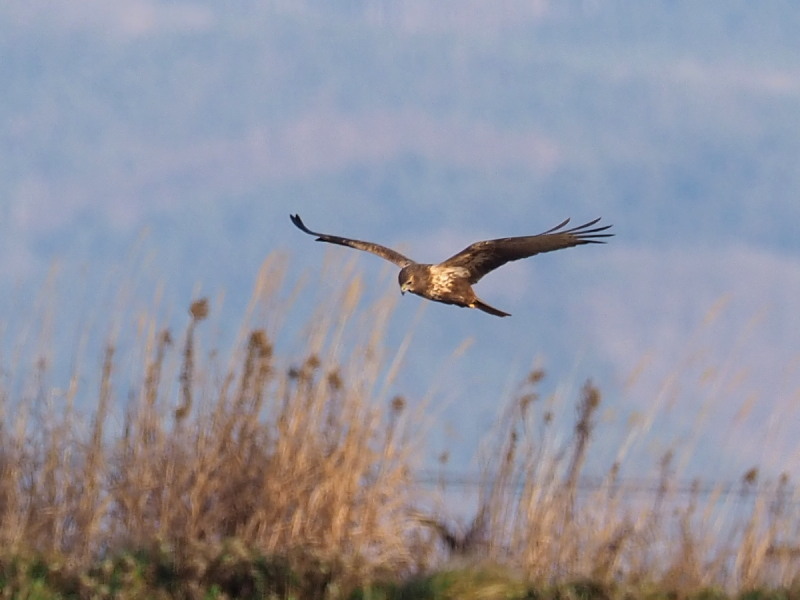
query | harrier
(451,281)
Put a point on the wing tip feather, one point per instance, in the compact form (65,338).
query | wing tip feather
(298,222)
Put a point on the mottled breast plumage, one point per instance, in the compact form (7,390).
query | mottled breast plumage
(445,280)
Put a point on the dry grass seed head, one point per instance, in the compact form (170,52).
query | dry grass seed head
(199,309)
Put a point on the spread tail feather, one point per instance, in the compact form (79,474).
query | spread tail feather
(481,305)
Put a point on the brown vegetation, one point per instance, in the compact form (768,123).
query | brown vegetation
(304,460)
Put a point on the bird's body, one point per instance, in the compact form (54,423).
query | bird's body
(449,285)
(451,281)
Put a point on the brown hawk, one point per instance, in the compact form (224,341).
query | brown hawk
(451,281)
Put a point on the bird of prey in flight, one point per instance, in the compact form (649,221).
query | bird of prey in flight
(451,281)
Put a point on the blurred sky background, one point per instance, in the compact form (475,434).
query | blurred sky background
(158,147)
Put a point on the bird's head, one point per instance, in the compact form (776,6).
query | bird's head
(406,280)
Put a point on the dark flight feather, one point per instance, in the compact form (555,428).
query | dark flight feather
(482,257)
(381,251)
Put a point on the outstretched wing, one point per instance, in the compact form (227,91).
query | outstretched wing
(381,251)
(482,257)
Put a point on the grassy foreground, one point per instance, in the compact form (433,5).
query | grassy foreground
(233,572)
(265,475)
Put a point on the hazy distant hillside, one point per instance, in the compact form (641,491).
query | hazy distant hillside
(632,107)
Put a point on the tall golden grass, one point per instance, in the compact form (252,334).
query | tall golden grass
(308,457)
(537,516)
(291,457)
